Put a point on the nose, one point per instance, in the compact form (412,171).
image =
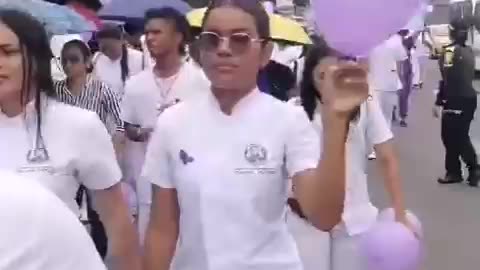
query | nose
(224,47)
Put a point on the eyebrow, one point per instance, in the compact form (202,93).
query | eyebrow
(8,46)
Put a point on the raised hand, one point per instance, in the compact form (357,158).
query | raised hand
(343,87)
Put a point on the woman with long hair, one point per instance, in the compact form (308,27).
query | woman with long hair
(217,163)
(115,62)
(367,127)
(60,146)
(81,89)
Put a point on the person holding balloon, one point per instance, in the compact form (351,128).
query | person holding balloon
(217,167)
(367,127)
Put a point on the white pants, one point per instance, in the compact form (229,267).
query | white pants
(388,100)
(345,253)
(313,245)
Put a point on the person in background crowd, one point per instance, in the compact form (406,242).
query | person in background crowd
(218,162)
(457,102)
(82,90)
(153,90)
(58,145)
(385,67)
(406,77)
(115,62)
(368,127)
(39,232)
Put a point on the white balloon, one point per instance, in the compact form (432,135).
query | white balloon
(388,215)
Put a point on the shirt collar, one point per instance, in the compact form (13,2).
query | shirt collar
(243,105)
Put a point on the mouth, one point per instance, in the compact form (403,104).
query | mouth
(225,67)
(3,77)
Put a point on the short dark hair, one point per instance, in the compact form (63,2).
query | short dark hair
(179,21)
(109,30)
(252,7)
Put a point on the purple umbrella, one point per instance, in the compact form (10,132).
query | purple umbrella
(137,8)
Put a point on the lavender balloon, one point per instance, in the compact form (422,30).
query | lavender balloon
(355,27)
(388,215)
(390,246)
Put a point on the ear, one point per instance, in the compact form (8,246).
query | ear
(266,53)
(89,63)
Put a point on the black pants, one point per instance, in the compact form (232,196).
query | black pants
(455,134)
(97,231)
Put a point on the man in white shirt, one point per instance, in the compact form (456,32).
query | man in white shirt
(149,93)
(39,232)
(385,66)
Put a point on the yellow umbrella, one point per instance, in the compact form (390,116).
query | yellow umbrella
(281,28)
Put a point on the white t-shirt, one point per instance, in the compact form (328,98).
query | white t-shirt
(110,71)
(79,146)
(39,232)
(229,174)
(383,64)
(144,94)
(370,129)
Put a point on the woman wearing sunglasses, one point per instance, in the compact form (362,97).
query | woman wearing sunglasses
(367,127)
(217,163)
(58,145)
(81,89)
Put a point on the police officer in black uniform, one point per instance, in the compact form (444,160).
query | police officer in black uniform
(457,102)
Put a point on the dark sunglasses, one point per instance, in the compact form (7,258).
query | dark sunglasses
(238,43)
(72,59)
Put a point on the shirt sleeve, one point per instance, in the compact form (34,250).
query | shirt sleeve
(58,230)
(112,105)
(377,127)
(127,106)
(303,143)
(97,164)
(158,165)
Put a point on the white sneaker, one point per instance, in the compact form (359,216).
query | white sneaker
(372,156)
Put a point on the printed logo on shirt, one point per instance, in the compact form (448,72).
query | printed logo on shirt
(257,156)
(185,158)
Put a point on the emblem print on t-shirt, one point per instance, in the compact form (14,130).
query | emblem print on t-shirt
(185,158)
(255,154)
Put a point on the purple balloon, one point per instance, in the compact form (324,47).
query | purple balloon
(390,246)
(355,27)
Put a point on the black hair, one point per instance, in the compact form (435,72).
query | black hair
(252,7)
(179,21)
(308,92)
(82,46)
(113,31)
(459,31)
(36,58)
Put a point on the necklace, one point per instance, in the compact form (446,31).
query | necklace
(165,91)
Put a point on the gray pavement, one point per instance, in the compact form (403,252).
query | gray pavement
(450,214)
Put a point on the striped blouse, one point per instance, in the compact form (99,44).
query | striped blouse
(97,97)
